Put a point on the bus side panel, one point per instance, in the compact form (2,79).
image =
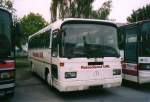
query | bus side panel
(130,72)
(41,59)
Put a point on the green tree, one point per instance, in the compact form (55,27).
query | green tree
(18,34)
(140,14)
(31,24)
(103,11)
(53,10)
(8,4)
(78,9)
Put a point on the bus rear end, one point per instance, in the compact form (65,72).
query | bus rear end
(88,56)
(7,63)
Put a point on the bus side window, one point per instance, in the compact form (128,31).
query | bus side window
(47,39)
(55,46)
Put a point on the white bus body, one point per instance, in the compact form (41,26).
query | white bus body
(75,71)
(136,51)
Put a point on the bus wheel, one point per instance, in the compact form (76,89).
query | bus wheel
(32,67)
(10,95)
(48,77)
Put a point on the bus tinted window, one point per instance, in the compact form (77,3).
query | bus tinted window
(40,41)
(5,33)
(146,27)
(47,39)
(146,39)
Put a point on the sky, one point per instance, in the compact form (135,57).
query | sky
(120,10)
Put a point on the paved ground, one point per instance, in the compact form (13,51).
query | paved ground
(30,88)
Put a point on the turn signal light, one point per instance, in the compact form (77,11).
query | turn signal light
(62,64)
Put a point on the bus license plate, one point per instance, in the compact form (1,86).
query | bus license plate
(4,75)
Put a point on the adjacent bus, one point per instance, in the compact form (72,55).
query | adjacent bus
(136,46)
(7,63)
(76,54)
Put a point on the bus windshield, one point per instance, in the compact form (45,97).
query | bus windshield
(5,34)
(146,39)
(90,40)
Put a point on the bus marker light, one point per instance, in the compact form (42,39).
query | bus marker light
(61,64)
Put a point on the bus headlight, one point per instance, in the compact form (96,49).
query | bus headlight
(116,71)
(145,66)
(70,75)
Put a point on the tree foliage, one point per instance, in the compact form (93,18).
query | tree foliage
(31,24)
(18,34)
(78,9)
(103,12)
(8,4)
(140,14)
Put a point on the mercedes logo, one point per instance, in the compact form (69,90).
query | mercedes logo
(96,73)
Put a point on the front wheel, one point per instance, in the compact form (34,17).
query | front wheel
(10,95)
(48,79)
(32,67)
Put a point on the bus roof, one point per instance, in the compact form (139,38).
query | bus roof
(134,23)
(57,24)
(4,9)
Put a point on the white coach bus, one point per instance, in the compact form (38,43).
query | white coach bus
(135,43)
(76,54)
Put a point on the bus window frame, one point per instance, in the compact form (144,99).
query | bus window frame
(55,48)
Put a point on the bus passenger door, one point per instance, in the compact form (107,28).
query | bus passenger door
(130,70)
(55,55)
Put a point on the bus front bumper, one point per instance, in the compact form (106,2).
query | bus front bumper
(144,76)
(84,85)
(7,89)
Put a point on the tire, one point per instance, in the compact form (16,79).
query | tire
(32,66)
(48,78)
(10,95)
